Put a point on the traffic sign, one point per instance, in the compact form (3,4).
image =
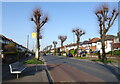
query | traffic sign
(33,35)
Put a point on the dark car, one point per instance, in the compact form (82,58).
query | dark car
(44,54)
(83,52)
(69,55)
(59,54)
(91,51)
(96,51)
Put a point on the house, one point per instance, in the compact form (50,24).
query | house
(116,43)
(95,44)
(108,42)
(83,46)
(4,40)
(52,50)
(91,44)
(71,46)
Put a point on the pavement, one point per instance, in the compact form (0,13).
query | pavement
(29,75)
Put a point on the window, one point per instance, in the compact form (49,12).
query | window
(98,43)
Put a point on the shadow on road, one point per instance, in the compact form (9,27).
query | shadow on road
(113,69)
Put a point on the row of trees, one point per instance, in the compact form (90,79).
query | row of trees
(47,49)
(78,32)
(105,18)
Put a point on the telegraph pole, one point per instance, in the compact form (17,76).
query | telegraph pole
(73,38)
(27,41)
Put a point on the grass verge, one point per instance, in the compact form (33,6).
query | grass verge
(81,57)
(108,61)
(32,61)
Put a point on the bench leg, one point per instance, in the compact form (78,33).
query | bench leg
(17,75)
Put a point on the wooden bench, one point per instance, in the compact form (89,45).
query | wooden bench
(16,68)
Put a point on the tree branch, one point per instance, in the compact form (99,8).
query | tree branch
(109,25)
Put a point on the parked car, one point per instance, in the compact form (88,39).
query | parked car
(83,52)
(69,55)
(91,51)
(44,54)
(96,51)
(59,54)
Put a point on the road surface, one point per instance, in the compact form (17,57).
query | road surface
(63,69)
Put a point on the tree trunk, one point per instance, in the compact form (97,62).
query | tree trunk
(61,48)
(103,48)
(99,55)
(77,46)
(54,49)
(38,42)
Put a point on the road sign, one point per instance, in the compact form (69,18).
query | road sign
(33,35)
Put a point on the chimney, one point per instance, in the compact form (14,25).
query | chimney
(89,39)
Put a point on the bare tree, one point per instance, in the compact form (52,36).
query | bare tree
(45,49)
(62,39)
(49,48)
(78,32)
(39,21)
(106,19)
(54,43)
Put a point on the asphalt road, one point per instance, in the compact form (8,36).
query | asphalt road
(63,69)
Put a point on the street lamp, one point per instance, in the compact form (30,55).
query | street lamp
(36,53)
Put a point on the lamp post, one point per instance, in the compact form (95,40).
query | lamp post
(27,41)
(37,51)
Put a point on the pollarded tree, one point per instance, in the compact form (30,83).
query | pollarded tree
(78,32)
(49,48)
(39,21)
(62,39)
(46,49)
(54,43)
(106,19)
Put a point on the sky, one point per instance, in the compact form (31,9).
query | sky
(63,17)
